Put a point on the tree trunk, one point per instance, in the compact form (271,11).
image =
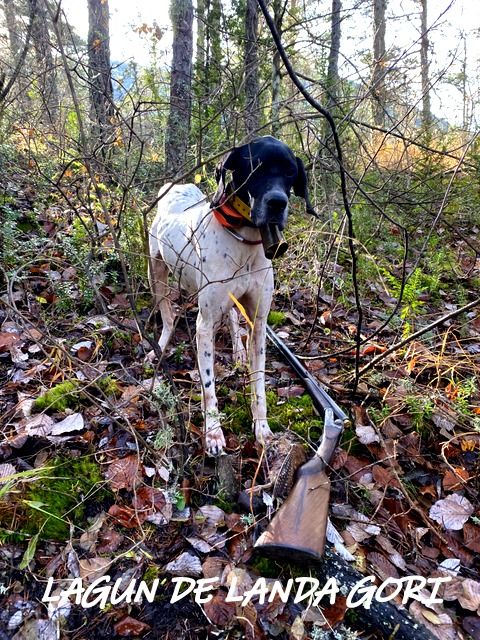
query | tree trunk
(178,128)
(15,41)
(43,55)
(278,12)
(200,77)
(378,75)
(424,67)
(252,112)
(333,79)
(99,74)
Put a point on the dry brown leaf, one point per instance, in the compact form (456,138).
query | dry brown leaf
(384,477)
(93,568)
(383,567)
(454,479)
(218,611)
(471,536)
(124,473)
(437,621)
(213,567)
(126,517)
(130,627)
(470,597)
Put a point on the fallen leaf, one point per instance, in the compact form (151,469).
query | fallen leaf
(455,478)
(185,565)
(471,537)
(39,425)
(452,512)
(366,434)
(130,627)
(93,568)
(73,422)
(7,340)
(219,612)
(126,516)
(124,473)
(6,470)
(470,598)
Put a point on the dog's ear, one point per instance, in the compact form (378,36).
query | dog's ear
(300,188)
(228,163)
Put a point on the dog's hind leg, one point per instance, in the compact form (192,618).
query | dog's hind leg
(158,277)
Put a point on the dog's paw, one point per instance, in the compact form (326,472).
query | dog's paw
(214,439)
(262,431)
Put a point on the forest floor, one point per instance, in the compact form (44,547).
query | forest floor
(103,470)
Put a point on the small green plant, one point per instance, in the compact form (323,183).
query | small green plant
(179,353)
(420,409)
(65,395)
(417,284)
(164,438)
(464,391)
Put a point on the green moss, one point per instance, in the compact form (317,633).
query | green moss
(109,386)
(63,396)
(266,567)
(152,573)
(276,318)
(297,414)
(60,496)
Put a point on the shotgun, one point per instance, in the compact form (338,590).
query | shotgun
(297,531)
(320,398)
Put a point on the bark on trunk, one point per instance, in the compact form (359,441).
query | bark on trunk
(276,82)
(333,79)
(11,12)
(252,107)
(424,66)
(378,75)
(99,74)
(178,128)
(46,72)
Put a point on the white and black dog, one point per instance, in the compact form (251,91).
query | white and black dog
(215,251)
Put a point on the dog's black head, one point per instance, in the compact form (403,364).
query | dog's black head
(264,172)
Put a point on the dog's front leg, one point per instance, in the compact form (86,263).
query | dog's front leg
(257,381)
(214,438)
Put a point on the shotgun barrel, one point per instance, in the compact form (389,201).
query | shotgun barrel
(320,398)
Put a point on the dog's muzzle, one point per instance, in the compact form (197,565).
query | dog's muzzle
(274,244)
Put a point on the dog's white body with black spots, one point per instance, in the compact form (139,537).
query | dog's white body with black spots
(206,260)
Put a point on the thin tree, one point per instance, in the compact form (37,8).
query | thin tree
(46,68)
(99,74)
(424,66)
(333,79)
(252,107)
(278,7)
(14,39)
(178,128)
(378,74)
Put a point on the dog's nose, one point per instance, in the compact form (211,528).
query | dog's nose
(277,203)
